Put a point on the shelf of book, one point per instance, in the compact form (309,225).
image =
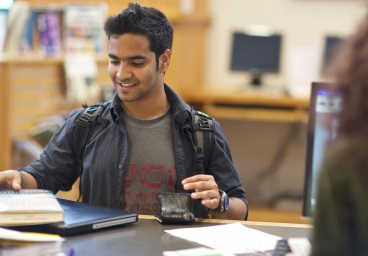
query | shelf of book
(33,84)
(57,27)
(169,7)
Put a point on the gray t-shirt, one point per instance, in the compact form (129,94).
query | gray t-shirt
(151,162)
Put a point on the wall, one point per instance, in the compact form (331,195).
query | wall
(255,144)
(270,158)
(302,22)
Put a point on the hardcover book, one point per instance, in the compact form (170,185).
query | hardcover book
(16,21)
(83,218)
(29,207)
(49,31)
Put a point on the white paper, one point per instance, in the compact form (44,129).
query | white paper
(81,72)
(80,65)
(195,251)
(232,238)
(300,246)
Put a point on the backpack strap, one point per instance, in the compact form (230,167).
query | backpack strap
(83,129)
(203,127)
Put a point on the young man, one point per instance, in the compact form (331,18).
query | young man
(147,145)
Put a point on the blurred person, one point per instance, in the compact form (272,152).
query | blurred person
(146,147)
(341,218)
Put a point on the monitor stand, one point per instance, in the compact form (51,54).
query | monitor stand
(256,86)
(256,79)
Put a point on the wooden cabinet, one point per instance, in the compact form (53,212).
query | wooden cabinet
(36,88)
(5,138)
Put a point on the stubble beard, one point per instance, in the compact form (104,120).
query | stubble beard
(140,95)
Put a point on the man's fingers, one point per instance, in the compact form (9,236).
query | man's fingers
(16,186)
(211,203)
(195,178)
(10,180)
(16,182)
(200,185)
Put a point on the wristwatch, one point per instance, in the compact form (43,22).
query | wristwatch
(224,203)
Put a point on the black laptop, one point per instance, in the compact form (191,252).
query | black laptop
(83,218)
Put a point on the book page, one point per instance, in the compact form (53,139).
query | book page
(28,201)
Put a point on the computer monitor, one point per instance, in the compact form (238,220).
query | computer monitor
(330,48)
(324,108)
(256,54)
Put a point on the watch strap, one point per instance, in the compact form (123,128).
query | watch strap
(221,207)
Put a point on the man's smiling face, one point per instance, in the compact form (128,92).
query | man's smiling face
(133,68)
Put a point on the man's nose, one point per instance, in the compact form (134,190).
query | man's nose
(123,71)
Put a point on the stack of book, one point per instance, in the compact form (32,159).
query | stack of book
(29,207)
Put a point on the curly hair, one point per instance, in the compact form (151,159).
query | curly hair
(350,71)
(141,20)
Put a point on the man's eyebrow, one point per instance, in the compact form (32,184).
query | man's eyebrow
(135,57)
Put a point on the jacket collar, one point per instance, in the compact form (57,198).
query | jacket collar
(181,110)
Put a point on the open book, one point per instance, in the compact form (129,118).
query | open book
(29,207)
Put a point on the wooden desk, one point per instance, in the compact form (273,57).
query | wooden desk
(249,106)
(272,214)
(147,237)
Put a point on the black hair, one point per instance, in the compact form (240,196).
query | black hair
(142,20)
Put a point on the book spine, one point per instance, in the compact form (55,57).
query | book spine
(3,27)
(49,25)
(27,40)
(16,21)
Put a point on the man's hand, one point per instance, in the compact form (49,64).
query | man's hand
(205,188)
(10,179)
(16,180)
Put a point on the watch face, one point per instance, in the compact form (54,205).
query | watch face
(226,203)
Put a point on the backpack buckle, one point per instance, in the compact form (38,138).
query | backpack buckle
(204,123)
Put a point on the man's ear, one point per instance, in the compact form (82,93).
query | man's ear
(165,60)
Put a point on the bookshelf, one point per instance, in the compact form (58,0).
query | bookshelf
(33,86)
(190,24)
(171,8)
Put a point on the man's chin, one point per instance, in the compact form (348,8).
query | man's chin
(126,99)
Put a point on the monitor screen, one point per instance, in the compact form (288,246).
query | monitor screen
(325,105)
(331,46)
(256,54)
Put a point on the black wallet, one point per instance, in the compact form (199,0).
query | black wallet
(175,208)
